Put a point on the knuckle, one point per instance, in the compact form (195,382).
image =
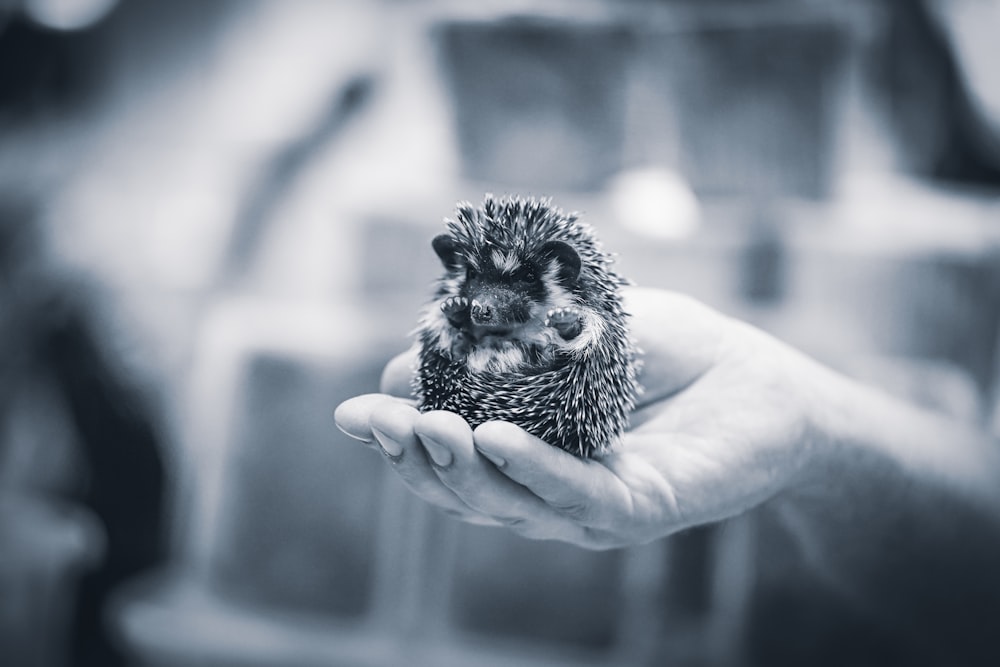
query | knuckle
(422,485)
(515,522)
(467,516)
(575,511)
(531,530)
(462,484)
(416,476)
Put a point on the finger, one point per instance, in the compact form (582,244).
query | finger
(679,338)
(397,377)
(449,443)
(584,491)
(392,427)
(353,415)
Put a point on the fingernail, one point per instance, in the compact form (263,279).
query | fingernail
(440,455)
(352,436)
(391,448)
(496,460)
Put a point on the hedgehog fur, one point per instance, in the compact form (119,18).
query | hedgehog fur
(527,326)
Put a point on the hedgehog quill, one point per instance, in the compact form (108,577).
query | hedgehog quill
(527,326)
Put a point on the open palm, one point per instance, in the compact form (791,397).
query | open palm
(722,425)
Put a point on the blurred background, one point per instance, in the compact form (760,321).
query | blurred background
(214,226)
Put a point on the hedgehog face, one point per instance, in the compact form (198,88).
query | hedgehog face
(493,305)
(501,295)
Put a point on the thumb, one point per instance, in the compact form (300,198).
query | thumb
(397,378)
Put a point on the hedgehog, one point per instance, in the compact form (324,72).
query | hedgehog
(527,326)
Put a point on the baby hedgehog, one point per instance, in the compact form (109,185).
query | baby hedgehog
(527,326)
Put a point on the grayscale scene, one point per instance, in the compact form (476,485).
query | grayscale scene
(549,333)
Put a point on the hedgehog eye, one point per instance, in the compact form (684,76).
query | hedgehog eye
(470,272)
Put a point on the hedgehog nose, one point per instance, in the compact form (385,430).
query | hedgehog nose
(498,308)
(482,313)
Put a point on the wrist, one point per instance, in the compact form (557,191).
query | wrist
(863,442)
(821,406)
(835,442)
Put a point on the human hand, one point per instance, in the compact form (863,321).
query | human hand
(723,424)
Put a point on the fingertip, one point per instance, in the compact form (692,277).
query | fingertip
(499,433)
(394,419)
(442,425)
(502,441)
(352,415)
(445,436)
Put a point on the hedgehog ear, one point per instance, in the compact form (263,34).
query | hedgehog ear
(447,249)
(567,259)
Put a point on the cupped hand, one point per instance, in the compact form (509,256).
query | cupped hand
(724,423)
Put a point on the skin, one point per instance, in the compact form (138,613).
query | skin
(877,493)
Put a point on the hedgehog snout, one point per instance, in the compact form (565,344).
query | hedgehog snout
(499,308)
(482,313)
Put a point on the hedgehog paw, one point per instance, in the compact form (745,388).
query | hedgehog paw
(456,309)
(566,321)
